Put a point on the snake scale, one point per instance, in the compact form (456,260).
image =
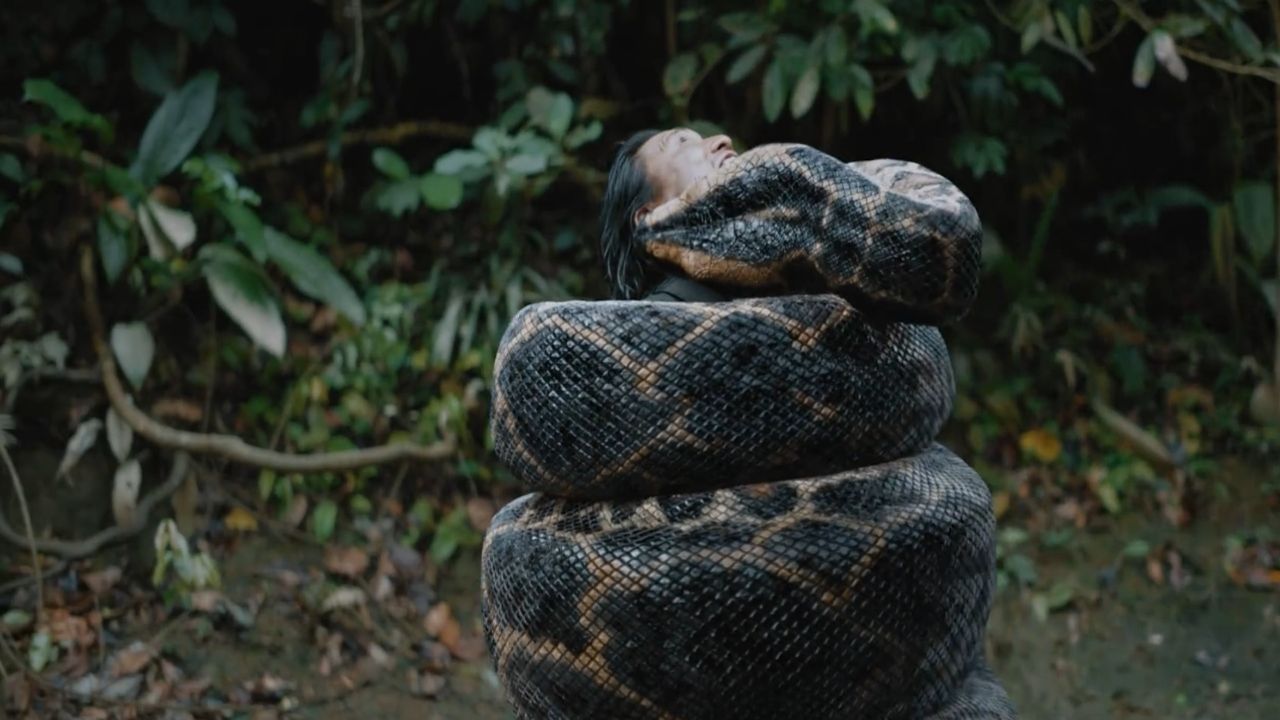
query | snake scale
(739,509)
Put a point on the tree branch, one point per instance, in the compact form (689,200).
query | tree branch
(389,135)
(231,447)
(26,520)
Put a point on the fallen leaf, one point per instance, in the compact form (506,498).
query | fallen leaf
(425,684)
(81,441)
(344,597)
(480,512)
(1000,502)
(439,615)
(465,647)
(1040,444)
(347,561)
(103,580)
(240,520)
(124,493)
(131,659)
(206,601)
(436,658)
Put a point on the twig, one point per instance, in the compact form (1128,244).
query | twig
(53,571)
(231,447)
(73,549)
(31,535)
(379,136)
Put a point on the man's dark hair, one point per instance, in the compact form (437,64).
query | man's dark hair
(626,191)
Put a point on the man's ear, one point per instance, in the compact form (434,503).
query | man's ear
(642,212)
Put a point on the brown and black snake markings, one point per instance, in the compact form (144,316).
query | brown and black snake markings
(739,508)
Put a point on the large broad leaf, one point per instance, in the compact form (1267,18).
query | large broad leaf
(241,289)
(1144,62)
(165,227)
(114,246)
(774,91)
(313,274)
(805,91)
(134,349)
(175,128)
(67,108)
(390,163)
(678,76)
(441,192)
(864,90)
(248,227)
(746,63)
(1255,206)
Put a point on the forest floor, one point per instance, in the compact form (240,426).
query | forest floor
(1125,638)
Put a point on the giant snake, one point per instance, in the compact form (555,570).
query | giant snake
(739,508)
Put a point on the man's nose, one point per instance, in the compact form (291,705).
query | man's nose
(718,143)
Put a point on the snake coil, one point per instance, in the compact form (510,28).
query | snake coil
(739,509)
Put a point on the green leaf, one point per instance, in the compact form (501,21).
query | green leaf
(15,620)
(10,264)
(390,163)
(175,128)
(1031,36)
(837,47)
(324,519)
(920,74)
(398,197)
(805,91)
(11,168)
(864,91)
(67,108)
(165,227)
(247,226)
(746,62)
(874,14)
(745,27)
(113,246)
(1066,29)
(526,164)
(245,293)
(446,332)
(1255,209)
(441,192)
(150,72)
(1245,39)
(41,652)
(1144,62)
(455,162)
(774,91)
(559,115)
(679,73)
(1137,549)
(134,349)
(313,274)
(966,45)
(583,134)
(1109,498)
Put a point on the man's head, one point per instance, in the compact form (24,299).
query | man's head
(649,168)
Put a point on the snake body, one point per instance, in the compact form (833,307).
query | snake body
(739,509)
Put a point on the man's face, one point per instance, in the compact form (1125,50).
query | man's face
(675,159)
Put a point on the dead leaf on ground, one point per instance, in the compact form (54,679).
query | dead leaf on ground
(480,513)
(206,601)
(426,684)
(67,629)
(1040,444)
(131,659)
(436,619)
(347,561)
(240,520)
(465,647)
(101,581)
(344,597)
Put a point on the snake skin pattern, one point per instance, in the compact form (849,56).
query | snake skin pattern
(739,509)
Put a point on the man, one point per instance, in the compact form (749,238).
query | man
(650,168)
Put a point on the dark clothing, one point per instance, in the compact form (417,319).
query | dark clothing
(681,289)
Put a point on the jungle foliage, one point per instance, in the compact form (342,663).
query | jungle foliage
(314,219)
